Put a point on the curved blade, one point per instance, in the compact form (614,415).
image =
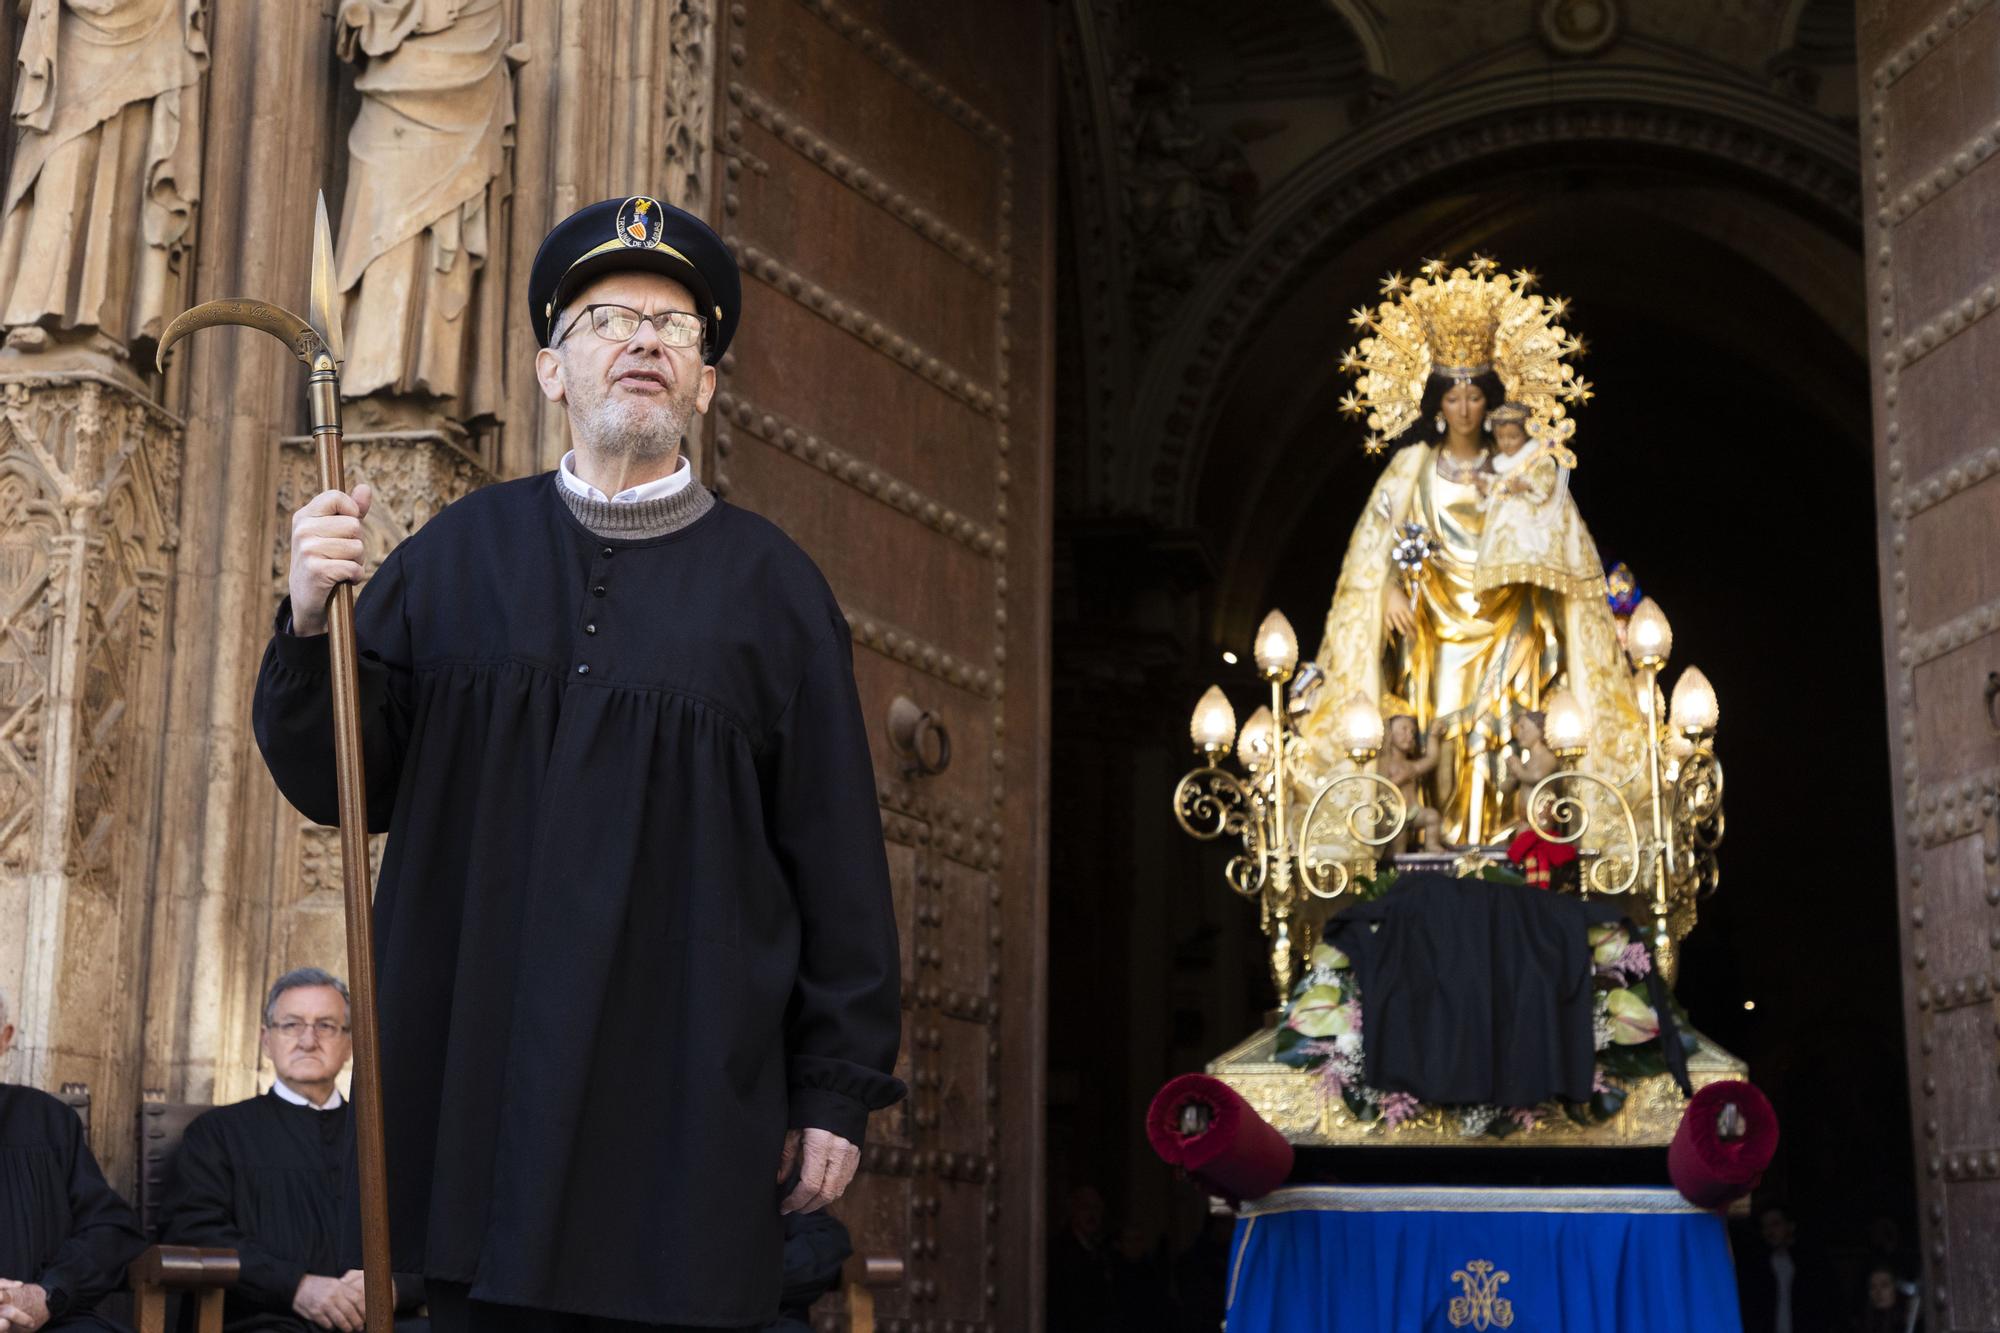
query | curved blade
(280,323)
(325,311)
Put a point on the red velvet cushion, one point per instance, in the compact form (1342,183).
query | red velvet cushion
(1709,1170)
(1239,1156)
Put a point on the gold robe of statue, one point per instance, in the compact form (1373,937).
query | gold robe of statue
(1509,607)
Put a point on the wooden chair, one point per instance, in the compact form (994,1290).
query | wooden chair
(203,1274)
(195,1273)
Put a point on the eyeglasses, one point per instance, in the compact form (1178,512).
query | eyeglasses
(291,1029)
(618,324)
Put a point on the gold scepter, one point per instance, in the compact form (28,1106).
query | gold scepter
(318,344)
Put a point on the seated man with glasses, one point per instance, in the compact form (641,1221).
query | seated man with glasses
(264,1177)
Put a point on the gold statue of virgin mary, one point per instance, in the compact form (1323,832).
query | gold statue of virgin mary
(1455,606)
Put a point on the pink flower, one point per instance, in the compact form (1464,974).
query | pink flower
(1353,1015)
(1332,1082)
(1398,1107)
(1635,962)
(1599,1083)
(1527,1117)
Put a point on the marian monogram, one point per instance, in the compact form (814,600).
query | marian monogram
(1481,1307)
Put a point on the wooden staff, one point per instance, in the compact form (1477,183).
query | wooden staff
(318,344)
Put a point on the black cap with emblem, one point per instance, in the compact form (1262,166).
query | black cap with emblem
(619,235)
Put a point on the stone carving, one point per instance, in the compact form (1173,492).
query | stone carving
(106,171)
(89,485)
(1188,190)
(427,188)
(686,128)
(413,475)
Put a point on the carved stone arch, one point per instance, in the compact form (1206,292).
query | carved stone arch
(1677,120)
(1367,33)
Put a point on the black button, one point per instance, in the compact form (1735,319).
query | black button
(606,553)
(598,591)
(583,669)
(591,628)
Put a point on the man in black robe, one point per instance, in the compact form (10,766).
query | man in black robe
(65,1235)
(265,1177)
(636,950)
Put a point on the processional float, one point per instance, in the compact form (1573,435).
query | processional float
(317,343)
(1320,825)
(1472,608)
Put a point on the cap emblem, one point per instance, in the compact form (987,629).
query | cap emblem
(639,222)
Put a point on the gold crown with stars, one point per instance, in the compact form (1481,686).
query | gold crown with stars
(1461,322)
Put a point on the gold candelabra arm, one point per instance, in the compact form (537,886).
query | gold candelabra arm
(1210,802)
(1376,820)
(1698,821)
(1559,816)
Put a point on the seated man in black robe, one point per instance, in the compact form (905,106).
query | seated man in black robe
(65,1235)
(264,1177)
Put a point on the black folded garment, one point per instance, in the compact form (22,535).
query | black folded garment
(1478,992)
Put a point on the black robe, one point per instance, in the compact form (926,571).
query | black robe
(1475,992)
(633,919)
(61,1227)
(265,1178)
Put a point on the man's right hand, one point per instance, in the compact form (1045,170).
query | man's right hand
(331,1302)
(326,552)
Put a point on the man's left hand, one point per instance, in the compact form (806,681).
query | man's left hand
(357,1280)
(24,1307)
(830,1162)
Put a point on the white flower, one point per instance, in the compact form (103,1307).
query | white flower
(1474,1120)
(1348,1043)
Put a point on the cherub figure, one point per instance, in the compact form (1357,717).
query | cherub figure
(1534,762)
(1400,763)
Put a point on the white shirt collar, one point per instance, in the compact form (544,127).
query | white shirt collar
(650,490)
(334,1100)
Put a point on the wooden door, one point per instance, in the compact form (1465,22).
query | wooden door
(1930,104)
(885,170)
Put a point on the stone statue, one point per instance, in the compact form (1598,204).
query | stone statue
(1188,190)
(426,187)
(1400,764)
(107,168)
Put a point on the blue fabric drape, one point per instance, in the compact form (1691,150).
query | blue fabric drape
(1370,1259)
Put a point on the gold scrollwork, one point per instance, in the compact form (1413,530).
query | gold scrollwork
(1698,819)
(1481,1306)
(1209,803)
(1560,816)
(1375,822)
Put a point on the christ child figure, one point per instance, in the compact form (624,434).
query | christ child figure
(1534,762)
(1400,763)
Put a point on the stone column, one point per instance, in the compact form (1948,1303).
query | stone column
(270,139)
(90,474)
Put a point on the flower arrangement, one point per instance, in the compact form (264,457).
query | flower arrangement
(1322,1032)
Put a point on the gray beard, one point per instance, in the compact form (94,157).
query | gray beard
(628,430)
